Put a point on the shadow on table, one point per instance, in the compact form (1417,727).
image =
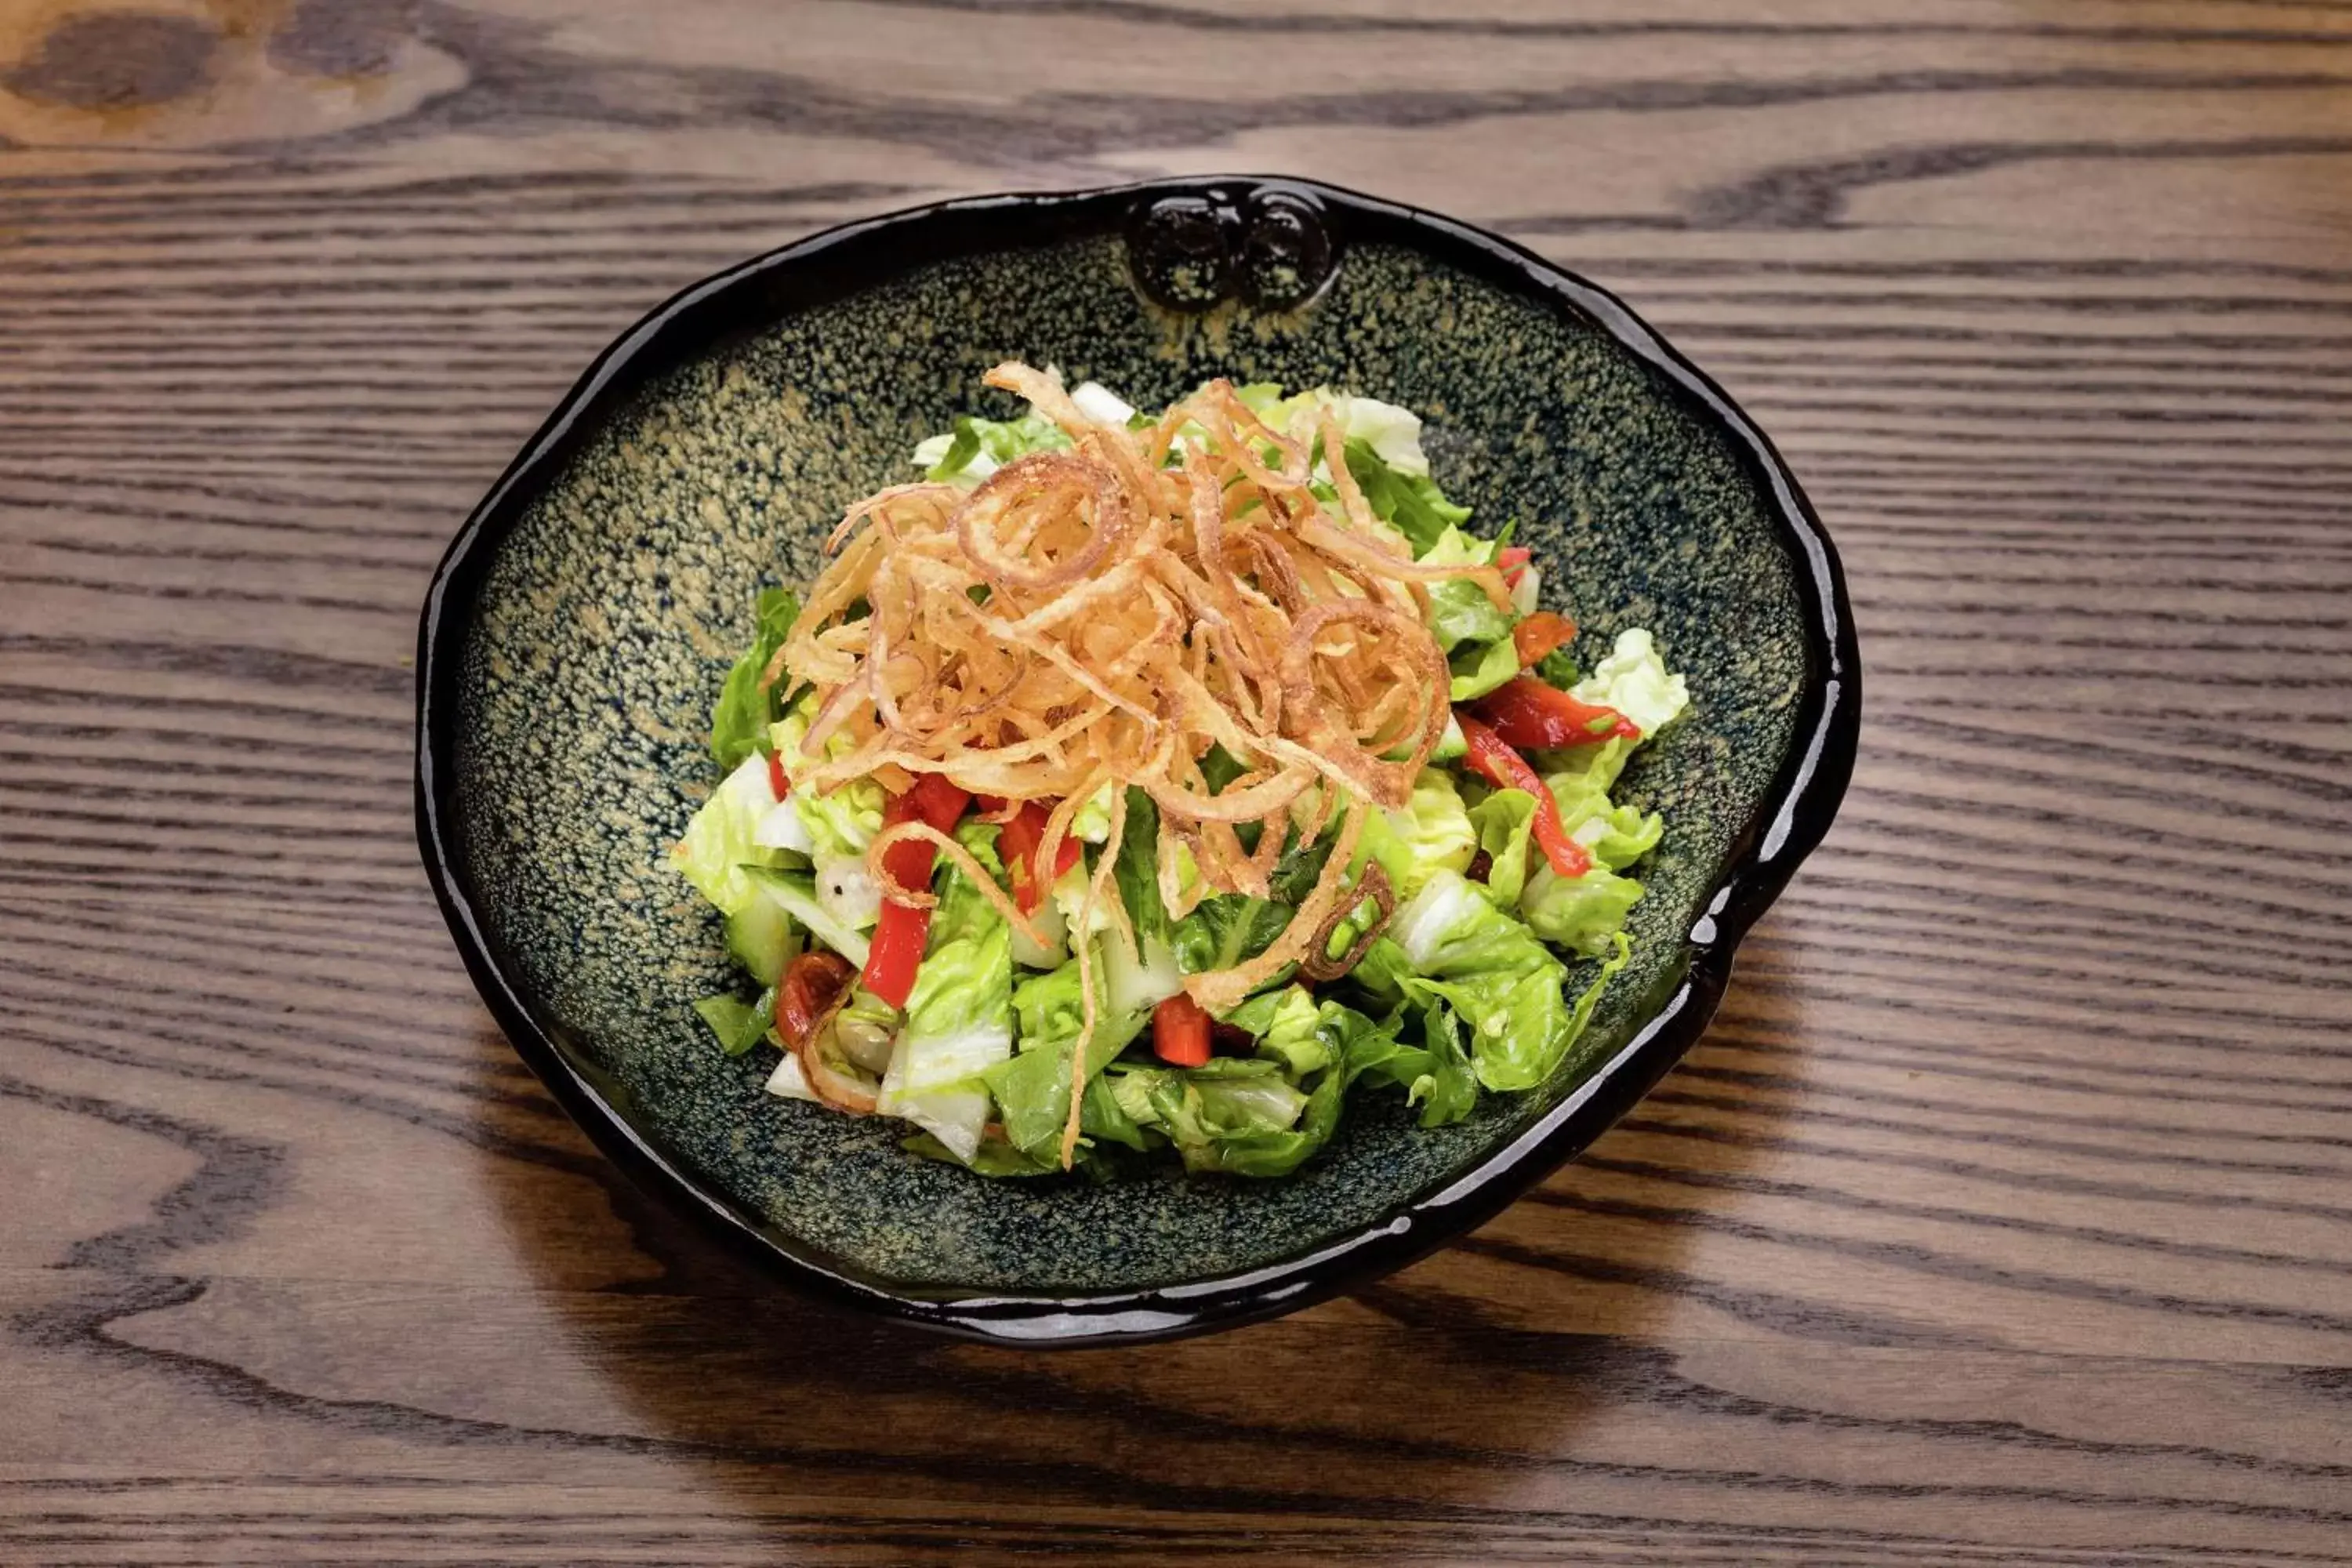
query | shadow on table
(1453,1385)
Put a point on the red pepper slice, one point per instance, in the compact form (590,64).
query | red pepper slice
(1512,559)
(776,779)
(903,928)
(1179,1032)
(811,983)
(1065,857)
(898,951)
(1017,844)
(1533,716)
(1504,768)
(937,801)
(1539,633)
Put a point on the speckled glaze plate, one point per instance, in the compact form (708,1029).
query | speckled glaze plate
(580,624)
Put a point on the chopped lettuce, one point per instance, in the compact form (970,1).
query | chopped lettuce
(977,447)
(1474,634)
(1428,834)
(1226,929)
(1459,610)
(958,1015)
(1557,669)
(1505,821)
(1581,913)
(1491,970)
(842,824)
(1391,435)
(739,1024)
(1478,668)
(719,839)
(1091,821)
(795,893)
(1101,404)
(745,708)
(1033,1089)
(1288,1028)
(1617,836)
(1409,503)
(1137,869)
(1633,680)
(1236,1115)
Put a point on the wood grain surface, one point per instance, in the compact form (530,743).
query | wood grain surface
(2005,1217)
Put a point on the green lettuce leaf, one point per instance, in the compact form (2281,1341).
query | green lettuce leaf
(1479,668)
(1557,669)
(1411,503)
(1617,836)
(1223,931)
(1288,1028)
(739,719)
(1493,972)
(1633,680)
(994,1157)
(1137,870)
(1431,832)
(739,1024)
(960,1013)
(1237,1116)
(977,447)
(719,841)
(841,824)
(1459,610)
(1448,1090)
(1033,1089)
(1505,821)
(1581,913)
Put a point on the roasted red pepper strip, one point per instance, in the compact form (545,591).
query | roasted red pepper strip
(1512,559)
(808,988)
(937,801)
(1017,847)
(1179,1032)
(1539,633)
(1532,716)
(1504,768)
(898,951)
(902,930)
(776,779)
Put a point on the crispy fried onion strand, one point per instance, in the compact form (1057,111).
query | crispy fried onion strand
(1112,614)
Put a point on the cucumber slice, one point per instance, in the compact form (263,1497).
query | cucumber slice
(1451,745)
(795,893)
(762,938)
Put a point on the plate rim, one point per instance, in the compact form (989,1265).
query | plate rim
(1789,822)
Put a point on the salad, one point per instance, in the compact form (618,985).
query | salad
(1134,786)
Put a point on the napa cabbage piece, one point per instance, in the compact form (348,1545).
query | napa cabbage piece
(1634,681)
(721,838)
(959,1019)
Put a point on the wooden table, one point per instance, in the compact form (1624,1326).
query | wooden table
(2005,1216)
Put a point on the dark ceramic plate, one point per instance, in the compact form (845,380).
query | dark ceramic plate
(579,628)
